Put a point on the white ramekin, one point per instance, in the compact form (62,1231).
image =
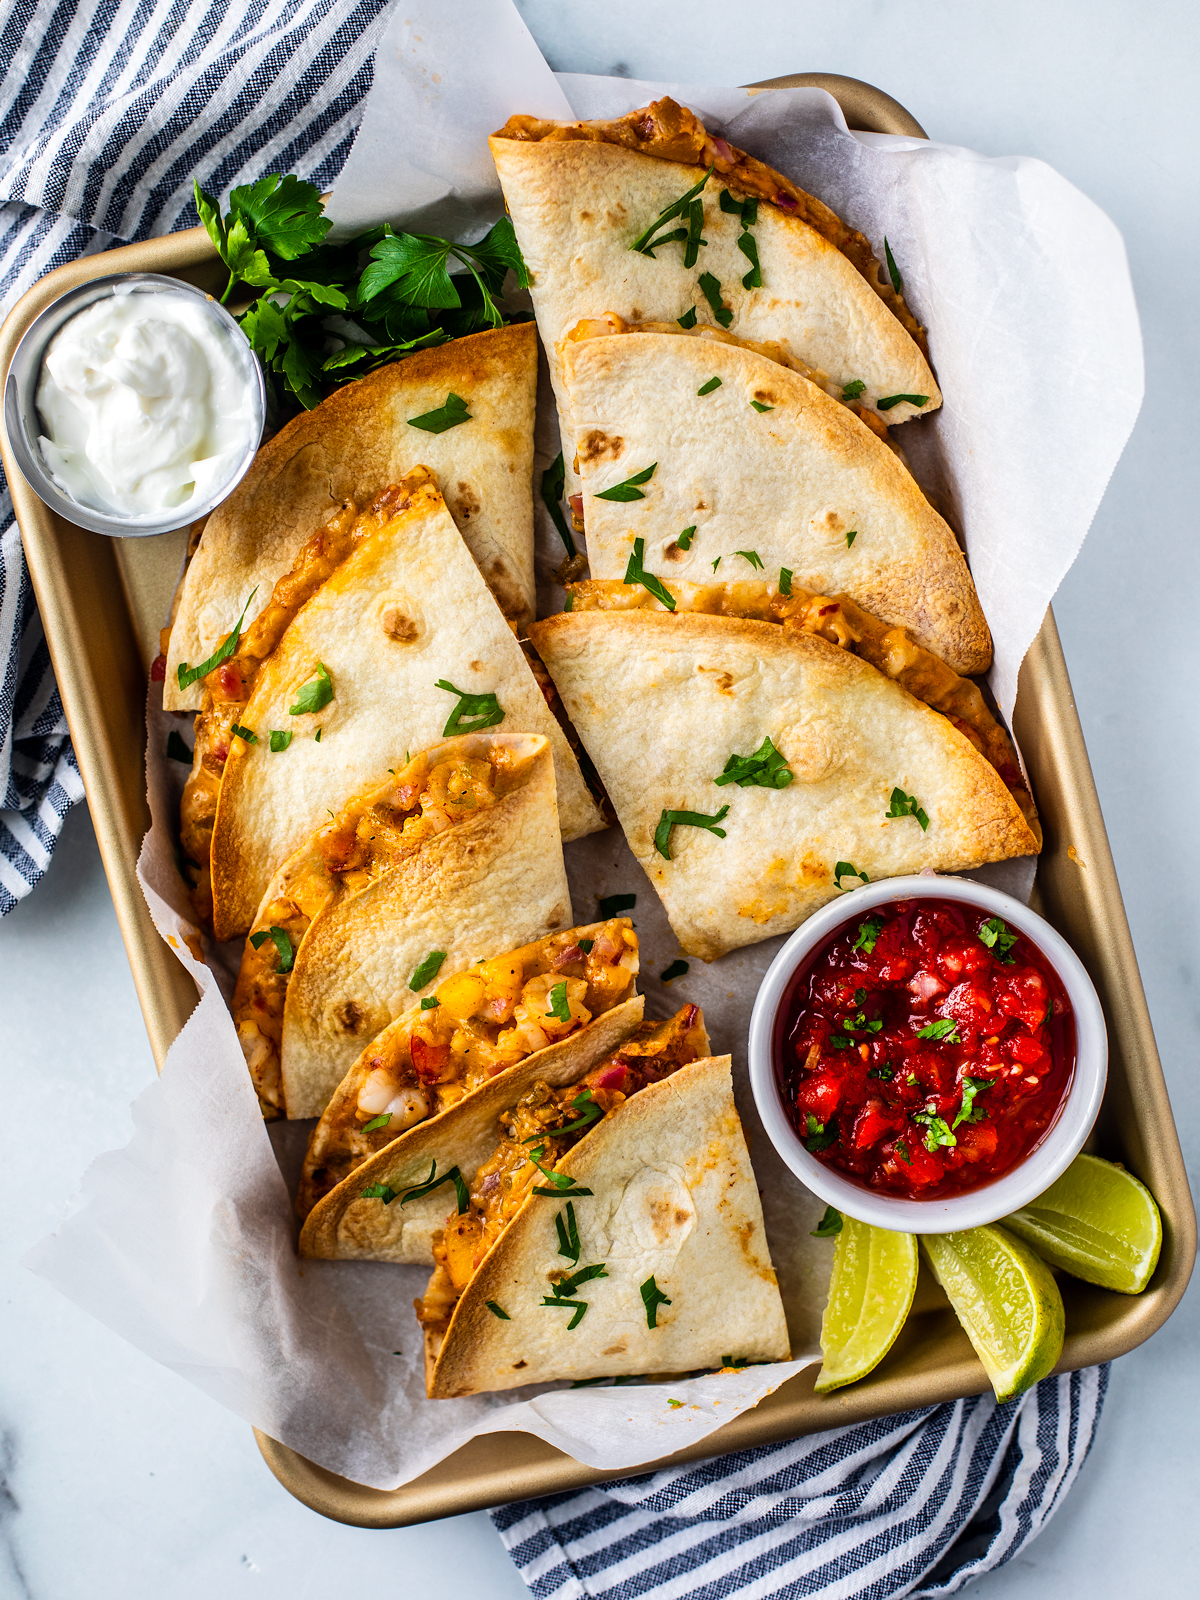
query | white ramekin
(1030,1177)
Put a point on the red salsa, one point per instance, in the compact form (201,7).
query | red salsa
(925,1048)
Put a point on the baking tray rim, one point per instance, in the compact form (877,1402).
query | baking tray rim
(528,1467)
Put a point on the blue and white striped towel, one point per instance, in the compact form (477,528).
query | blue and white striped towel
(108,109)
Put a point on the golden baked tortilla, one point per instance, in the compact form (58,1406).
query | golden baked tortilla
(346,1226)
(674,1207)
(457,851)
(349,448)
(662,702)
(801,484)
(406,610)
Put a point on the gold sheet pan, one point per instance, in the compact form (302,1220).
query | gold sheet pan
(102,601)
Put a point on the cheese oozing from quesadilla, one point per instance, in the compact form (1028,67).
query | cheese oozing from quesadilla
(845,624)
(782,768)
(699,457)
(445,788)
(474,1026)
(641,1250)
(364,437)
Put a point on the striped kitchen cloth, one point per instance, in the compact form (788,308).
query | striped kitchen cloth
(917,1504)
(108,110)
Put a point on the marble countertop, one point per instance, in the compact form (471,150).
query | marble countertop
(116,1477)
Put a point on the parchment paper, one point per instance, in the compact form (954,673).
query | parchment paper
(184,1241)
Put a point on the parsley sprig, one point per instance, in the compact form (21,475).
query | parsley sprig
(328,313)
(765,769)
(635,572)
(685,819)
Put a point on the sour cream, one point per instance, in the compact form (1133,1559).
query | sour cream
(147,405)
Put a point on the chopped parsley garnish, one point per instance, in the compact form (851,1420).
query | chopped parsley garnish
(379,1191)
(497,1311)
(902,1151)
(190,675)
(753,557)
(277,936)
(716,563)
(839,1041)
(829,1226)
(575,1281)
(944,1028)
(646,244)
(473,713)
(905,805)
(884,1071)
(381,1121)
(317,736)
(684,540)
(868,933)
(677,969)
(850,537)
(587,1108)
(559,1006)
(579,1307)
(611,905)
(560,1181)
(635,572)
(820,1135)
(685,819)
(558,1194)
(430,1002)
(314,695)
(847,869)
(707,388)
(652,1298)
(675,1404)
(419,1190)
(586,945)
(445,417)
(911,1080)
(280,739)
(852,390)
(710,288)
(746,209)
(177,750)
(748,245)
(568,1234)
(736,1363)
(896,399)
(759,406)
(893,269)
(688,319)
(936,1131)
(629,489)
(428,969)
(765,769)
(554,481)
(999,940)
(970,1111)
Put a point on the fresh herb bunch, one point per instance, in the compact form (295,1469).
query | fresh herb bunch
(325,314)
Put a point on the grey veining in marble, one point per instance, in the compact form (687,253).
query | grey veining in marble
(118,1479)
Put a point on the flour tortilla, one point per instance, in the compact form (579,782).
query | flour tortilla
(674,1197)
(790,484)
(345,1227)
(578,205)
(385,674)
(487,884)
(661,702)
(352,446)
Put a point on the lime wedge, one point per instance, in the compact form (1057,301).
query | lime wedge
(1007,1301)
(870,1291)
(1097,1223)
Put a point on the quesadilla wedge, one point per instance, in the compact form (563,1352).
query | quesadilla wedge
(718,458)
(597,210)
(781,768)
(390,1206)
(401,645)
(652,1257)
(453,853)
(345,452)
(844,623)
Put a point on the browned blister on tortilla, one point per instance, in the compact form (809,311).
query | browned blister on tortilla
(349,448)
(662,702)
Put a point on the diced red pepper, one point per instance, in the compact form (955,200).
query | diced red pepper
(429,1060)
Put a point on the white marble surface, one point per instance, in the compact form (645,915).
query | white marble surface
(120,1479)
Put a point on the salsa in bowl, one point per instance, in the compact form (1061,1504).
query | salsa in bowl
(927,1054)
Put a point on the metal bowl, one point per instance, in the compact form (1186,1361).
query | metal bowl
(24,425)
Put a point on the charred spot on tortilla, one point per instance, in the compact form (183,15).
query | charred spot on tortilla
(599,446)
(398,624)
(464,503)
(350,1017)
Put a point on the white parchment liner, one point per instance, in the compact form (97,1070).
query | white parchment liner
(184,1242)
